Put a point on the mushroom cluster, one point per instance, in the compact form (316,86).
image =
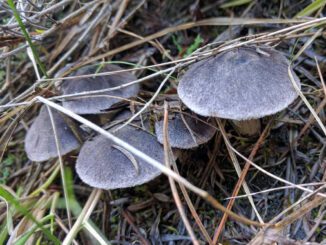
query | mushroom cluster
(242,84)
(100,163)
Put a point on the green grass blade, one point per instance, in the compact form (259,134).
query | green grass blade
(311,8)
(3,234)
(15,203)
(23,238)
(194,46)
(26,35)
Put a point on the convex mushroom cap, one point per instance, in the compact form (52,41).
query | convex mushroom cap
(96,104)
(40,142)
(239,84)
(103,164)
(182,136)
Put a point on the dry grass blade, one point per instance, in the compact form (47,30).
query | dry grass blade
(268,173)
(57,143)
(83,217)
(167,156)
(242,174)
(313,112)
(275,189)
(208,22)
(320,106)
(147,103)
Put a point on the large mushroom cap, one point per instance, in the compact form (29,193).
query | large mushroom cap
(179,134)
(104,165)
(98,103)
(239,84)
(40,142)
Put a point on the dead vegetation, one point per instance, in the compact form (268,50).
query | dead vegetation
(282,171)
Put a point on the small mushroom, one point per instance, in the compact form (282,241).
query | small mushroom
(240,84)
(96,104)
(40,142)
(185,133)
(103,164)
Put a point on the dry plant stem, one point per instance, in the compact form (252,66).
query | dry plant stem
(168,161)
(84,215)
(117,87)
(148,103)
(191,206)
(318,221)
(285,221)
(268,173)
(275,189)
(205,195)
(127,217)
(311,119)
(80,39)
(87,93)
(63,227)
(248,127)
(307,44)
(320,106)
(206,22)
(57,144)
(320,123)
(290,218)
(315,192)
(242,174)
(51,9)
(118,16)
(191,58)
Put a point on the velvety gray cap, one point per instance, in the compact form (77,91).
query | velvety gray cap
(100,164)
(40,142)
(179,135)
(99,103)
(239,84)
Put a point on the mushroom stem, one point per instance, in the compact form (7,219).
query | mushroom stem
(247,127)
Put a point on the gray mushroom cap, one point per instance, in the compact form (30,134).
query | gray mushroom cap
(97,104)
(40,142)
(179,135)
(103,165)
(239,84)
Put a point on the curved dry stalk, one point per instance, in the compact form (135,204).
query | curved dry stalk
(189,202)
(274,189)
(167,160)
(62,169)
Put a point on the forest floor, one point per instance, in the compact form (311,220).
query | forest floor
(41,42)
